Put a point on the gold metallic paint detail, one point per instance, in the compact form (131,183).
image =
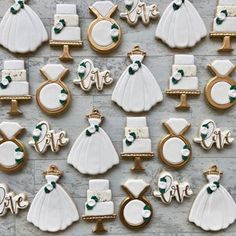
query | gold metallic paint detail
(99,228)
(213,170)
(215,80)
(129,198)
(183,105)
(226,45)
(99,18)
(15,110)
(138,158)
(66,56)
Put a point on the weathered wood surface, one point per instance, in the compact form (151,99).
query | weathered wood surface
(168,220)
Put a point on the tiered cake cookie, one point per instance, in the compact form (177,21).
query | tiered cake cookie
(99,198)
(14,82)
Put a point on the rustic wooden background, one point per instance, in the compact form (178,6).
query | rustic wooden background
(169,220)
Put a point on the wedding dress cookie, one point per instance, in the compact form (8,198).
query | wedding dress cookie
(93,152)
(44,137)
(9,201)
(180,25)
(12,151)
(137,9)
(88,75)
(220,91)
(209,134)
(53,96)
(137,78)
(174,149)
(135,211)
(21,30)
(168,188)
(213,209)
(104,33)
(52,209)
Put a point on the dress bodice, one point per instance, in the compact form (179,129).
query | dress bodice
(136,57)
(51,178)
(213,178)
(94,121)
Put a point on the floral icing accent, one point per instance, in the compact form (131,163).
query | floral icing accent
(59,26)
(129,4)
(213,187)
(37,132)
(115,33)
(177,76)
(204,131)
(221,17)
(146,213)
(92,130)
(162,185)
(19,154)
(5,82)
(81,70)
(49,187)
(185,152)
(63,96)
(91,203)
(134,67)
(232,94)
(177,4)
(130,138)
(17,7)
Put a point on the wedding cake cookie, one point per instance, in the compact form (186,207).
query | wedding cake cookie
(99,198)
(14,82)
(225,20)
(66,23)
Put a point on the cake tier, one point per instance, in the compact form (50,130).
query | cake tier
(102,195)
(226,3)
(16,75)
(71,20)
(189,70)
(14,65)
(18,88)
(101,209)
(67,34)
(99,184)
(134,122)
(181,59)
(140,132)
(66,9)
(186,83)
(231,10)
(138,146)
(228,25)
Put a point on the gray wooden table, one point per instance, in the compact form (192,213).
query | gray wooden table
(168,220)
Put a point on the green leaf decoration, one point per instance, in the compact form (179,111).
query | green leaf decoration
(181,72)
(138,63)
(89,207)
(97,128)
(62,102)
(9,78)
(133,134)
(83,64)
(203,136)
(88,133)
(46,190)
(209,190)
(64,91)
(128,7)
(177,7)
(162,190)
(115,39)
(114,26)
(94,198)
(146,207)
(185,158)
(186,147)
(163,179)
(63,22)
(232,99)
(18,161)
(53,184)
(21,4)
(19,149)
(174,81)
(217,184)
(233,87)
(225,12)
(39,127)
(206,125)
(131,71)
(128,143)
(57,31)
(81,75)
(36,139)
(219,21)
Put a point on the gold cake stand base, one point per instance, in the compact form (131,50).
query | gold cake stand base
(99,228)
(226,45)
(183,105)
(138,158)
(14,103)
(66,56)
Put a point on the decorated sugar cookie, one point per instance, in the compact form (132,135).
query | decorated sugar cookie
(174,149)
(53,96)
(136,210)
(224,24)
(12,151)
(21,30)
(44,138)
(181,26)
(66,31)
(220,91)
(104,33)
(209,135)
(14,86)
(93,152)
(99,206)
(137,78)
(89,76)
(213,209)
(137,9)
(9,201)
(137,143)
(168,188)
(52,208)
(183,81)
